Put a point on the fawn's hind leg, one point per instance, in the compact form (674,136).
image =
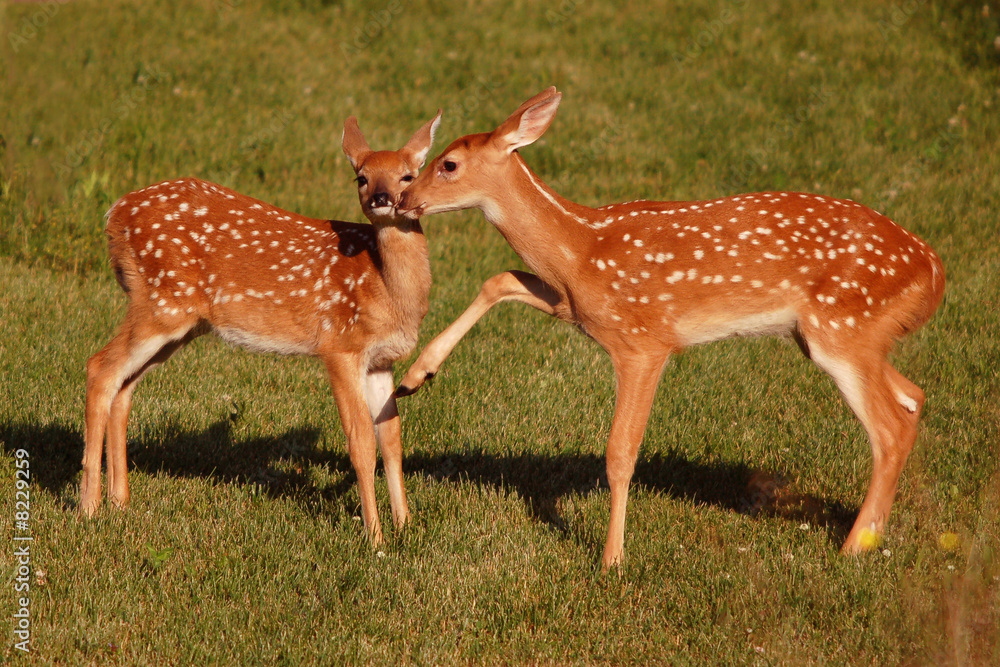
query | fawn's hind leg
(111,377)
(888,406)
(116,440)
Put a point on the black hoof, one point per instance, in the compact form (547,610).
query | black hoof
(402,390)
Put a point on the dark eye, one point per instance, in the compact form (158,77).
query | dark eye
(407,178)
(362,181)
(450,166)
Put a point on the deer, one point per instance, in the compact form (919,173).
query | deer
(194,257)
(647,279)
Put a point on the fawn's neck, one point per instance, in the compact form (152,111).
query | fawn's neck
(406,269)
(550,233)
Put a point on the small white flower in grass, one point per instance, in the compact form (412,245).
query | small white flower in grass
(804,526)
(380,554)
(886,552)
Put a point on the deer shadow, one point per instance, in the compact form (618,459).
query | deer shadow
(541,480)
(56,450)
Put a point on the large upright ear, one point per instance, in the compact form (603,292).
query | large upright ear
(529,122)
(419,145)
(354,143)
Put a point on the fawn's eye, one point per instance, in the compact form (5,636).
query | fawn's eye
(407,178)
(449,165)
(362,181)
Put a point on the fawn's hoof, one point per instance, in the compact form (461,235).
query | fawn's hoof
(408,387)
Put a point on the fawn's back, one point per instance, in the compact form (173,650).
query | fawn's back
(265,278)
(757,263)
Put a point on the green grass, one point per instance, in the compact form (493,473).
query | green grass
(243,543)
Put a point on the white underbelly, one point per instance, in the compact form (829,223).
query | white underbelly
(693,331)
(257,342)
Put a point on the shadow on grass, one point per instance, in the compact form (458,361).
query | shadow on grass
(541,480)
(54,452)
(215,453)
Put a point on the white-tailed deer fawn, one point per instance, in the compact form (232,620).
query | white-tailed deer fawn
(646,279)
(195,257)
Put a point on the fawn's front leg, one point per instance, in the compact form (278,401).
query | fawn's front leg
(636,388)
(347,381)
(385,416)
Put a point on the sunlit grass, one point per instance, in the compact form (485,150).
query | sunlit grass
(243,543)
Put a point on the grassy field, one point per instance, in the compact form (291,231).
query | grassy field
(243,542)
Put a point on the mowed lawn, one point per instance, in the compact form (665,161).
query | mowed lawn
(243,543)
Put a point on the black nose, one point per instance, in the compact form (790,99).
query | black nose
(380,199)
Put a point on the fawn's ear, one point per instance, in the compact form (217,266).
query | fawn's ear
(529,122)
(354,143)
(419,145)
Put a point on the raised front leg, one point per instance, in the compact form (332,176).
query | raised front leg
(508,286)
(636,388)
(347,380)
(385,416)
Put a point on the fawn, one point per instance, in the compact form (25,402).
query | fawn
(195,257)
(646,279)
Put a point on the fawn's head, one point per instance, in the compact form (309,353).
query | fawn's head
(383,175)
(472,167)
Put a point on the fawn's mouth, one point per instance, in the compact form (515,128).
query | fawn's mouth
(412,212)
(382,211)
